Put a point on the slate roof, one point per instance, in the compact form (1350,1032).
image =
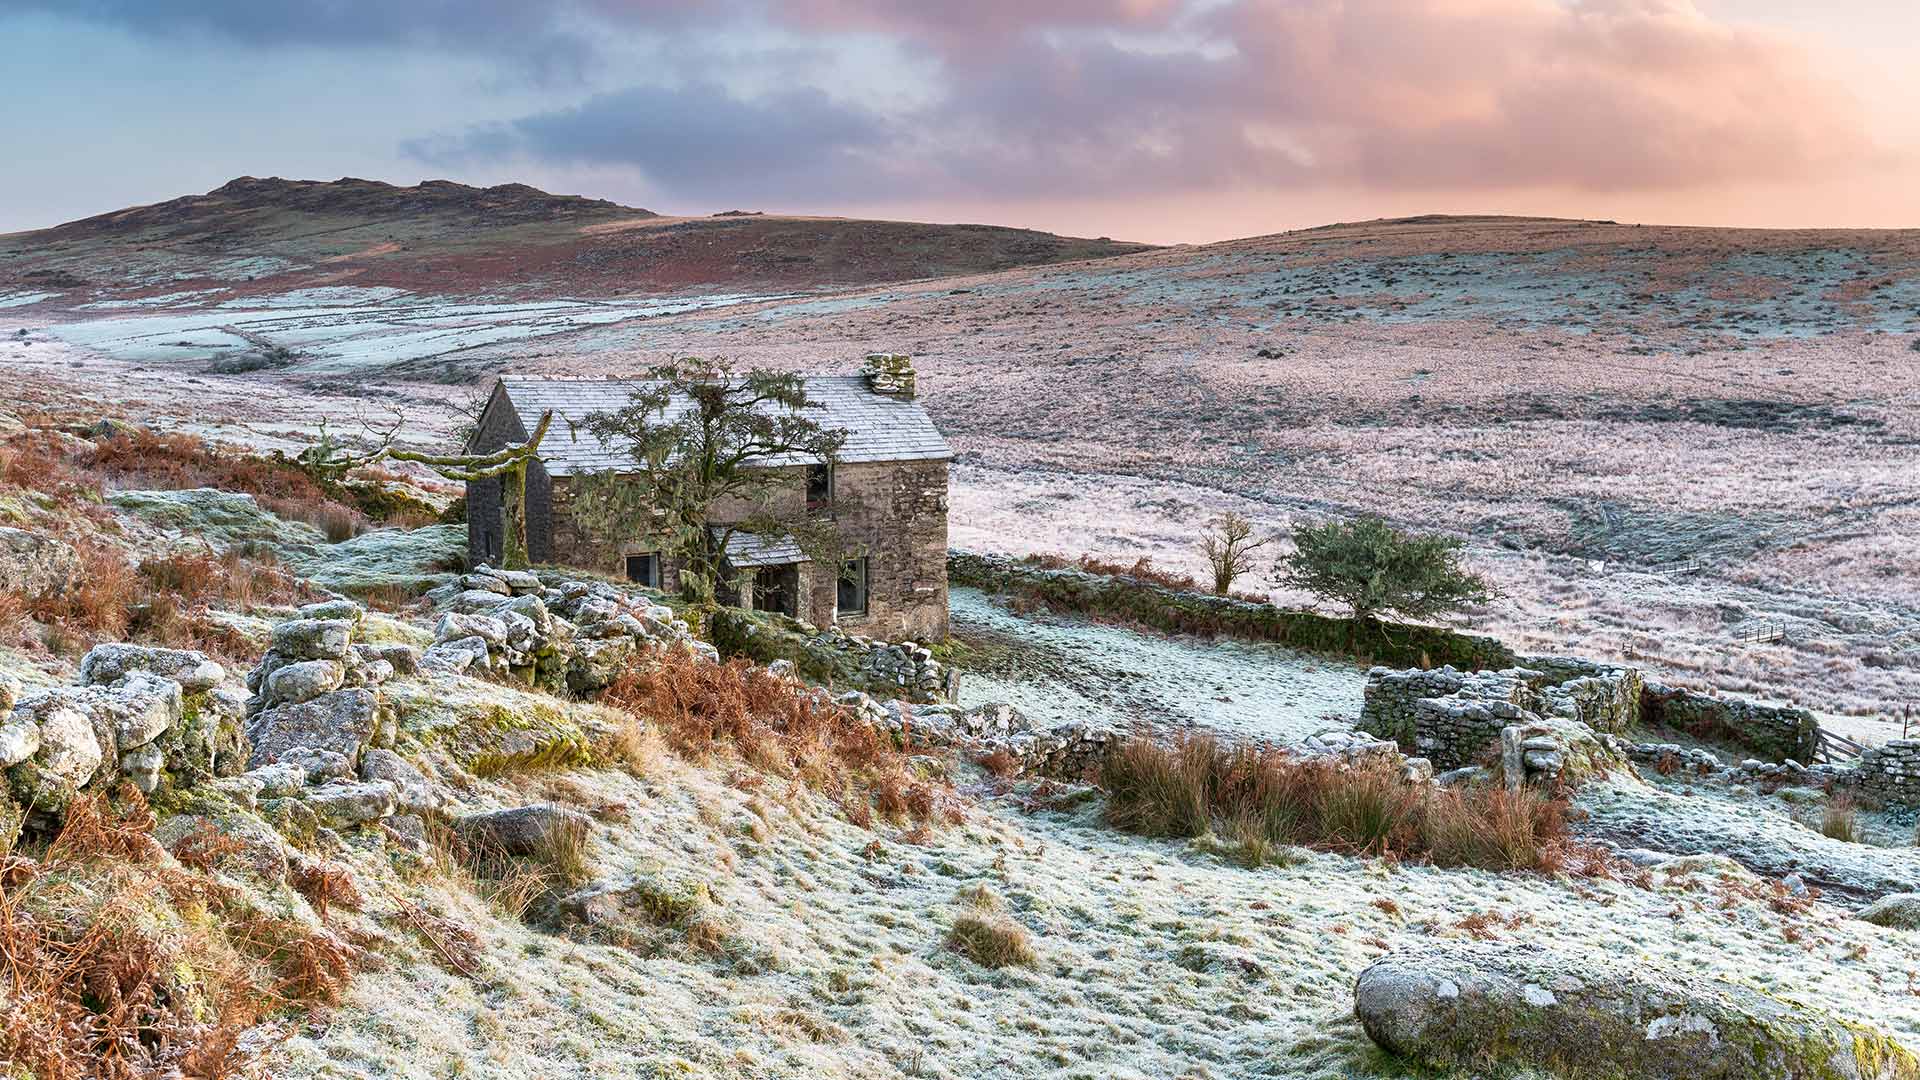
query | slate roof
(879,427)
(746,550)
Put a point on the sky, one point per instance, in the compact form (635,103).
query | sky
(1154,120)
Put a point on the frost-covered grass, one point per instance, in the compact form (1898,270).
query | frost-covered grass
(1150,959)
(411,560)
(1058,669)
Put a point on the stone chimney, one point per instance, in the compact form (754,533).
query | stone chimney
(889,373)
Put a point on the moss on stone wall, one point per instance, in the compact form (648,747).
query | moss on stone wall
(1177,612)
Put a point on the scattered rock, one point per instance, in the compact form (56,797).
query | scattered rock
(1457,1005)
(343,721)
(191,669)
(1900,911)
(523,830)
(304,680)
(34,563)
(313,639)
(413,792)
(344,803)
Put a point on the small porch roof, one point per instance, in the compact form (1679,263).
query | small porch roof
(746,551)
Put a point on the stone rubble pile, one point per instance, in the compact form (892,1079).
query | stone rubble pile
(565,635)
(905,667)
(159,718)
(1555,714)
(1069,751)
(321,732)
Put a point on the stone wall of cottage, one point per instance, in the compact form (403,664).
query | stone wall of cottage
(486,516)
(895,512)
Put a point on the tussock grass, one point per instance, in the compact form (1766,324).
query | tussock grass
(517,884)
(991,940)
(1841,820)
(701,710)
(1261,801)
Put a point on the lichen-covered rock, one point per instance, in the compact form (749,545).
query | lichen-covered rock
(70,750)
(108,662)
(1555,750)
(413,792)
(304,680)
(1455,1005)
(19,740)
(344,722)
(313,639)
(1899,911)
(488,729)
(455,657)
(331,610)
(347,803)
(13,817)
(455,625)
(233,840)
(141,766)
(33,563)
(523,830)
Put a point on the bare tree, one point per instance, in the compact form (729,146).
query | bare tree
(509,465)
(1229,546)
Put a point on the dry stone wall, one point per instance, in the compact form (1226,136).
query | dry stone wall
(1772,732)
(1890,773)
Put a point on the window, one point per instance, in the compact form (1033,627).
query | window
(853,587)
(644,569)
(819,487)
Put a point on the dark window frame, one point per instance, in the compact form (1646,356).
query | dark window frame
(653,556)
(861,588)
(820,480)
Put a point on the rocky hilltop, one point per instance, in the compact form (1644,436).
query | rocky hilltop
(262,237)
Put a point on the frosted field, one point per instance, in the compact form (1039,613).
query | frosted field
(344,329)
(1155,960)
(1057,670)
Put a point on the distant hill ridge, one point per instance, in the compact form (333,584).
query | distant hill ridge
(350,197)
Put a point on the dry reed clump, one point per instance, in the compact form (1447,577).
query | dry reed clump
(991,939)
(117,964)
(162,601)
(1263,800)
(1841,819)
(701,708)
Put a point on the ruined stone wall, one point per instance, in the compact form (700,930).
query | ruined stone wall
(1890,773)
(1449,717)
(1454,718)
(1773,732)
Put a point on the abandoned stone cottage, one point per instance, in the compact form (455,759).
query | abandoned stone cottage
(887,495)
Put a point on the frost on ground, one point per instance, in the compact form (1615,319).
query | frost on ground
(1153,960)
(1058,669)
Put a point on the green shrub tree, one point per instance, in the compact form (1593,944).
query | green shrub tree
(698,434)
(1373,568)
